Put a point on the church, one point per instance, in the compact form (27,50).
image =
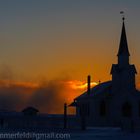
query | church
(115,102)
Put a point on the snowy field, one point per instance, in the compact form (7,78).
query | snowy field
(105,134)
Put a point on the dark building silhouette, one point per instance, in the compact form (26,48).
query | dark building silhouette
(29,119)
(30,111)
(116,102)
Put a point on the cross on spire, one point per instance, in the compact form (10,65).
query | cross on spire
(123,16)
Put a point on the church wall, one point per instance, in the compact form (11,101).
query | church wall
(116,107)
(114,116)
(123,80)
(95,118)
(116,85)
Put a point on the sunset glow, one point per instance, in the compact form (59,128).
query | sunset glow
(80,84)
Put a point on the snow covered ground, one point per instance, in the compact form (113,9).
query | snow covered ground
(105,134)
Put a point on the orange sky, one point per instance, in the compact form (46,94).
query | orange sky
(66,41)
(49,40)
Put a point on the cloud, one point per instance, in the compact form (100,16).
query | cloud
(12,98)
(48,97)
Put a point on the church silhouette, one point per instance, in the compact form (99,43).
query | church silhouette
(116,102)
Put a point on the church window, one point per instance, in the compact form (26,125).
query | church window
(84,109)
(88,109)
(127,109)
(102,108)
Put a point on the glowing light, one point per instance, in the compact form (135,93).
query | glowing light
(80,85)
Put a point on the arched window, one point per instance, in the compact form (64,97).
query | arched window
(102,108)
(127,109)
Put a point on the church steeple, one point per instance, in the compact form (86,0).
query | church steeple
(123,53)
(123,73)
(123,48)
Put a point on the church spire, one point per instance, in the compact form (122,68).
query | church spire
(123,53)
(123,73)
(123,48)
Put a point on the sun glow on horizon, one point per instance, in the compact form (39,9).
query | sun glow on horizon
(75,84)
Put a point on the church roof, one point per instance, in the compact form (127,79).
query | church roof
(123,48)
(28,109)
(96,90)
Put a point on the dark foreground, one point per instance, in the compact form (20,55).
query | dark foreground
(77,134)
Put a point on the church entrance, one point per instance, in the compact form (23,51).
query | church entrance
(126,110)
